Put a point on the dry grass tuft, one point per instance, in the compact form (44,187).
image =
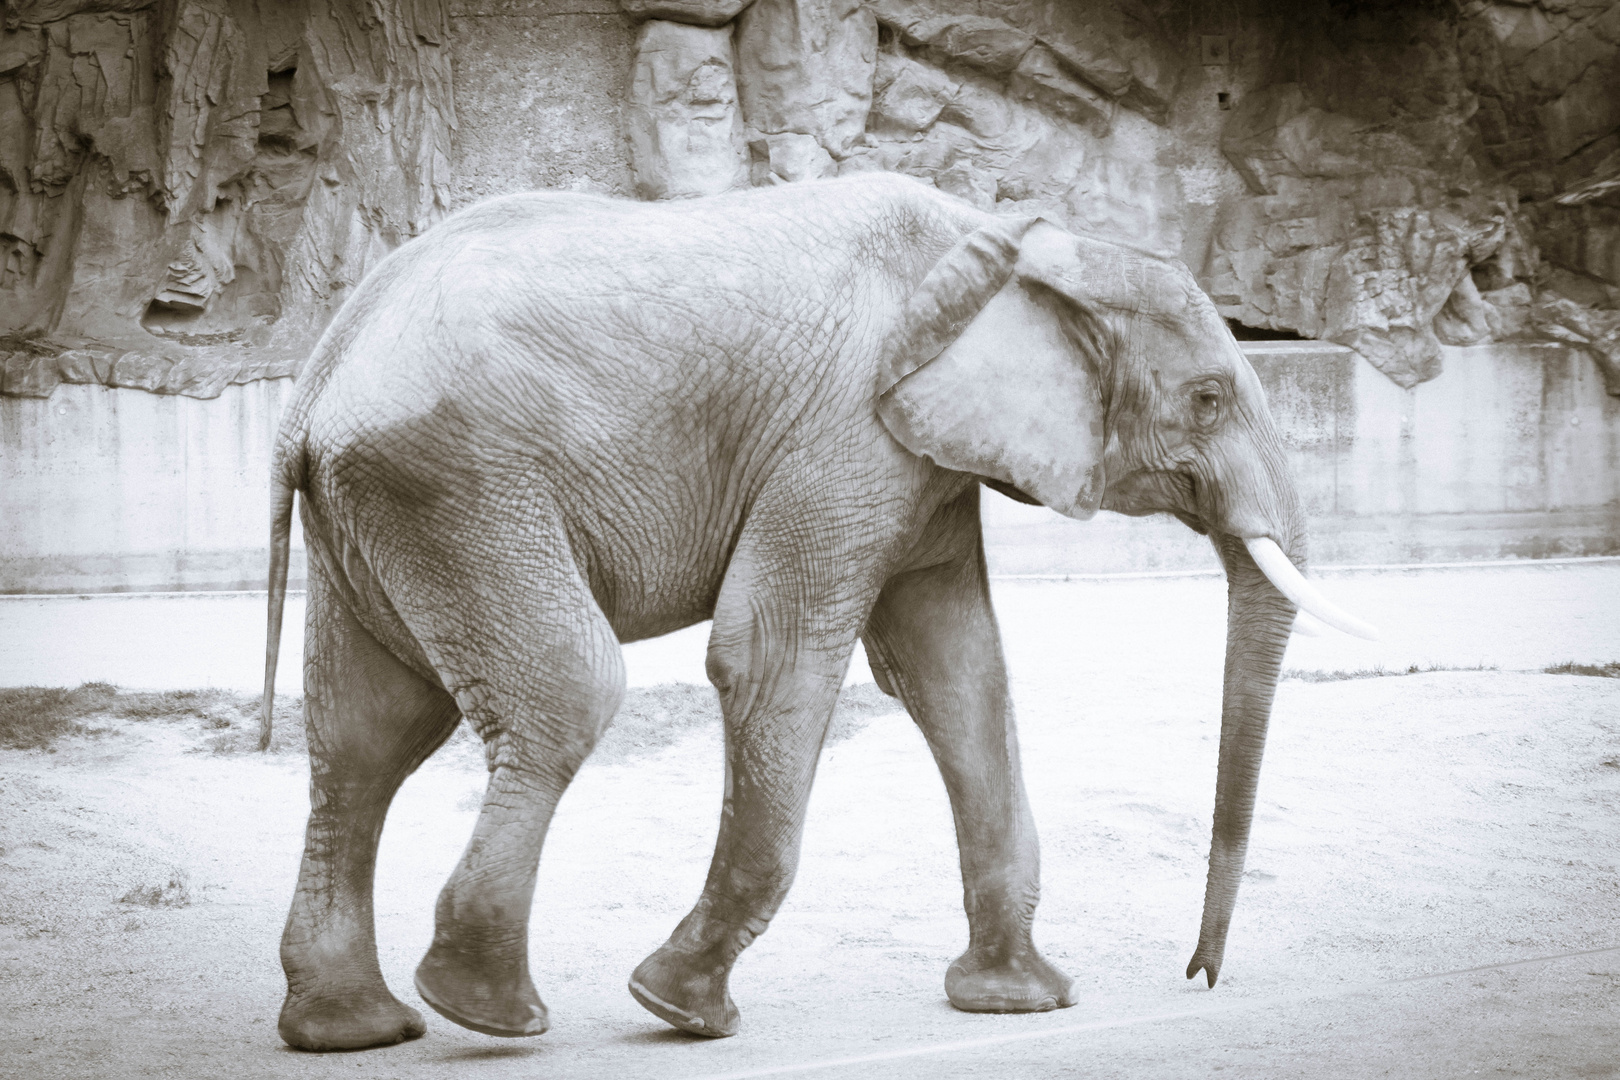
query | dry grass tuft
(1610,670)
(858,706)
(35,717)
(654,717)
(176,892)
(1378,671)
(651,718)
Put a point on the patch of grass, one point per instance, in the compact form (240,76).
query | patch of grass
(176,892)
(1610,670)
(231,722)
(651,718)
(1377,671)
(858,706)
(34,717)
(654,717)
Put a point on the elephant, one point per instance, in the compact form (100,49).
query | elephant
(559,422)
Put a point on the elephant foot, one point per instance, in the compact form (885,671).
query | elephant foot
(348,1022)
(676,989)
(1021,982)
(476,997)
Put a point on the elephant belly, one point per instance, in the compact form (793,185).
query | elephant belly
(652,591)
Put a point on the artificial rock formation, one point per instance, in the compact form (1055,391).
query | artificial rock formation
(1394,156)
(189,187)
(1079,59)
(1365,210)
(805,74)
(1545,75)
(691,12)
(686,134)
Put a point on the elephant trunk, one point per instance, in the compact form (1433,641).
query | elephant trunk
(1259,618)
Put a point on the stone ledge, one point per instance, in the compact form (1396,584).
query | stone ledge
(37,375)
(1272,348)
(1113,544)
(31,374)
(224,570)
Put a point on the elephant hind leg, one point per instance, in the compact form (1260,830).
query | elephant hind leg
(371,722)
(539,692)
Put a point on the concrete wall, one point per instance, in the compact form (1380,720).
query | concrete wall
(1513,451)
(539,89)
(108,490)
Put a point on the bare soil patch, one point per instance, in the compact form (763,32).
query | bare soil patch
(650,719)
(1441,821)
(1429,823)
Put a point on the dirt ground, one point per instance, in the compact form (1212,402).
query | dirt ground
(1433,885)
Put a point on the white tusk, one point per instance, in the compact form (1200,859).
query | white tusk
(1292,584)
(1307,625)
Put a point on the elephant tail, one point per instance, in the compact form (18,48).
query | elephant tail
(284,483)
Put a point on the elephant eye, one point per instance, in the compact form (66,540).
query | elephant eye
(1206,405)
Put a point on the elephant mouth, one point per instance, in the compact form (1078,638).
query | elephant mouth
(1141,492)
(1287,579)
(1184,494)
(1192,521)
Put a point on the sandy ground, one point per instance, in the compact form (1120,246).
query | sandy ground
(1525,615)
(1408,828)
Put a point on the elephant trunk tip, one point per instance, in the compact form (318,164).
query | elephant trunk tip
(1210,968)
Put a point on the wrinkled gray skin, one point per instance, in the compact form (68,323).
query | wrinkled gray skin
(558,422)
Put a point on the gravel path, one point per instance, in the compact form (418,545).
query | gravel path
(1408,826)
(1523,615)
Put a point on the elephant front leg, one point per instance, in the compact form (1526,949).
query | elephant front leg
(777,692)
(772,744)
(935,634)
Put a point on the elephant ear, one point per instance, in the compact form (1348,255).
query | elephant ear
(985,374)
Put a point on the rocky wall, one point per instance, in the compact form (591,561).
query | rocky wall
(1401,181)
(541,88)
(188,187)
(1512,451)
(1383,175)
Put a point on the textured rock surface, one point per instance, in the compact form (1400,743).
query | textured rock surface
(540,92)
(1365,210)
(1547,78)
(976,129)
(190,187)
(1545,73)
(686,134)
(691,12)
(804,67)
(1075,56)
(1597,332)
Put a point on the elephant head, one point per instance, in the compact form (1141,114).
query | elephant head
(1084,375)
